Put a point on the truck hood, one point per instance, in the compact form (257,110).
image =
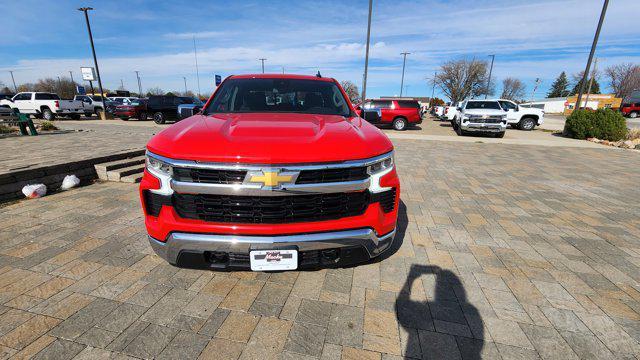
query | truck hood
(483,112)
(273,138)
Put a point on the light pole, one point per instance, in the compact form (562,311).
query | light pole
(593,50)
(139,83)
(185,85)
(195,53)
(366,54)
(404,61)
(593,74)
(262,60)
(493,57)
(71,74)
(433,89)
(14,82)
(122,84)
(93,50)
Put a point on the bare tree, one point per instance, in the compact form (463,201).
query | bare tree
(460,79)
(352,90)
(64,87)
(155,91)
(512,89)
(623,78)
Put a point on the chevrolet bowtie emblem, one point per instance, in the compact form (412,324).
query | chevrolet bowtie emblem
(271,178)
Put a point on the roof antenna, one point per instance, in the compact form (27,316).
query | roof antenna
(318,74)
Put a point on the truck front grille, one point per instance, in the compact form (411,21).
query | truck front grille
(320,176)
(270,209)
(332,175)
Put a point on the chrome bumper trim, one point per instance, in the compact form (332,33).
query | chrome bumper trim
(182,187)
(177,242)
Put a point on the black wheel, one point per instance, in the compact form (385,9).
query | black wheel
(47,114)
(399,124)
(142,115)
(124,118)
(460,131)
(158,118)
(633,115)
(527,124)
(75,117)
(514,126)
(500,135)
(87,114)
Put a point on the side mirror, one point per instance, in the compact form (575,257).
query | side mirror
(459,108)
(517,108)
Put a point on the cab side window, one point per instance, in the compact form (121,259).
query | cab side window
(507,105)
(23,96)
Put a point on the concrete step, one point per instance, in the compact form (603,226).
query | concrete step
(132,179)
(118,174)
(118,164)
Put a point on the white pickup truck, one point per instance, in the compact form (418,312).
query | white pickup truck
(480,116)
(45,105)
(521,117)
(92,104)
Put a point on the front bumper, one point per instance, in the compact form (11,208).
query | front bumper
(232,251)
(483,127)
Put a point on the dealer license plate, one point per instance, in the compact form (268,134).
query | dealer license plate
(270,260)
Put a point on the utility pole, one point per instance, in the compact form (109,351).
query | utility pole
(533,93)
(433,89)
(71,74)
(139,83)
(593,50)
(366,54)
(493,57)
(195,53)
(262,60)
(283,69)
(404,62)
(185,85)
(93,50)
(14,82)
(122,84)
(593,75)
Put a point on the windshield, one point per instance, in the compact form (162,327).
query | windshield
(279,95)
(493,105)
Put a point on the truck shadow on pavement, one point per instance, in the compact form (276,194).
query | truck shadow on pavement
(442,325)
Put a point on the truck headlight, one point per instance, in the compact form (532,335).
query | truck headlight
(159,167)
(381,165)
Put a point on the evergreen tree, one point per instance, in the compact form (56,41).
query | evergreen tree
(595,87)
(559,87)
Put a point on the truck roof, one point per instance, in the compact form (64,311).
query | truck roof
(280,76)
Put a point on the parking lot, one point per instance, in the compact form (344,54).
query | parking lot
(504,251)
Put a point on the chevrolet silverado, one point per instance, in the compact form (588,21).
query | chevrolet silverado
(277,172)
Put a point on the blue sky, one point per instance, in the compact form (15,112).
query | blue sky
(530,39)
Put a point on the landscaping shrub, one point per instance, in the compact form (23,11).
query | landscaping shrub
(4,129)
(604,124)
(47,126)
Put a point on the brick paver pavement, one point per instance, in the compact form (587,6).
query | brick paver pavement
(504,251)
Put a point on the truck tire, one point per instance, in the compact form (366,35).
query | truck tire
(142,115)
(158,118)
(500,135)
(633,114)
(527,124)
(399,123)
(87,114)
(47,114)
(75,117)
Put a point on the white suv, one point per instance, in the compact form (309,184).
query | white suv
(480,116)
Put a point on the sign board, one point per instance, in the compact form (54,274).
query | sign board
(218,80)
(80,90)
(88,73)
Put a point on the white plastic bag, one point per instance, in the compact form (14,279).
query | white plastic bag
(70,181)
(34,191)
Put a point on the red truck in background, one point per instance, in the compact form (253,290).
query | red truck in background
(398,113)
(277,172)
(631,110)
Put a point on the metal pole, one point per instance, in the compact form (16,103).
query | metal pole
(71,74)
(93,50)
(262,60)
(404,61)
(185,85)
(593,50)
(92,90)
(122,84)
(283,69)
(195,53)
(593,74)
(366,54)
(533,93)
(433,89)
(493,57)
(139,84)
(14,81)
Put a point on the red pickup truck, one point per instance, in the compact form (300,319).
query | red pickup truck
(276,173)
(398,113)
(631,110)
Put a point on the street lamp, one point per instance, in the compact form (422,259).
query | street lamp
(262,59)
(139,83)
(93,50)
(593,50)
(404,61)
(493,57)
(185,85)
(366,55)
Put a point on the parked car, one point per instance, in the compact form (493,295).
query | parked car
(631,110)
(437,111)
(522,117)
(92,104)
(45,105)
(400,114)
(135,109)
(480,116)
(186,110)
(122,100)
(216,195)
(165,108)
(450,111)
